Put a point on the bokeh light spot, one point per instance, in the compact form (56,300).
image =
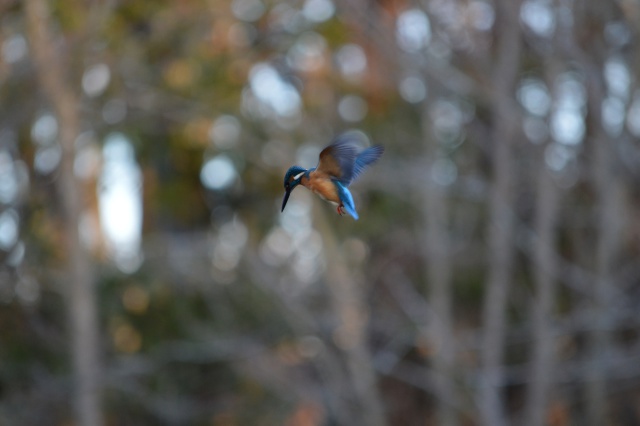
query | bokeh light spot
(218,173)
(248,10)
(45,129)
(318,10)
(9,227)
(444,172)
(47,159)
(269,87)
(534,97)
(225,131)
(557,156)
(308,53)
(538,15)
(482,15)
(567,126)
(135,299)
(413,89)
(120,202)
(127,339)
(14,49)
(351,61)
(613,114)
(618,78)
(96,79)
(413,30)
(352,108)
(8,179)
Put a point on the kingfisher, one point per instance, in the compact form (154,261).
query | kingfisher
(339,165)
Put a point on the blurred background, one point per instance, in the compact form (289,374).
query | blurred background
(147,275)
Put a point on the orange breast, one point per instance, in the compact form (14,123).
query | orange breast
(322,186)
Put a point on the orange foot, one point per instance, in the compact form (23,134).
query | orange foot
(340,210)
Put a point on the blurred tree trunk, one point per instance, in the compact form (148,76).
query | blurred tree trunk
(80,294)
(349,303)
(609,194)
(608,189)
(501,232)
(438,263)
(587,50)
(545,270)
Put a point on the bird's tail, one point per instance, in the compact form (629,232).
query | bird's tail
(347,200)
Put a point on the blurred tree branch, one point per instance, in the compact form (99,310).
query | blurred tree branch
(80,292)
(437,254)
(501,220)
(349,303)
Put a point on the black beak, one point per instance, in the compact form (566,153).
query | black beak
(286,198)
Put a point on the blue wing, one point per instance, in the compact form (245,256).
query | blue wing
(343,161)
(346,199)
(338,159)
(366,158)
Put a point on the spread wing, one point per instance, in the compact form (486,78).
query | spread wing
(338,159)
(365,159)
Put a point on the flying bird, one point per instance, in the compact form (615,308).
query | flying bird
(340,164)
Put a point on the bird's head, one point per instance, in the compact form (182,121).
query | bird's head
(291,180)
